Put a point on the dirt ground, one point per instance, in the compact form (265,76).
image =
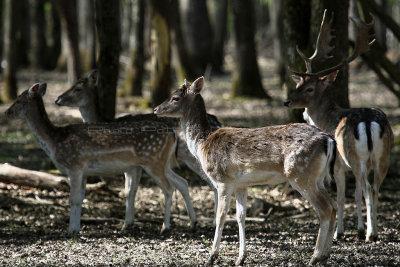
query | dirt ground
(280,230)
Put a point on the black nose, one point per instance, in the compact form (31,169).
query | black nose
(286,103)
(155,110)
(57,101)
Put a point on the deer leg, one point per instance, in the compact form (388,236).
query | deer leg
(341,187)
(77,194)
(132,179)
(183,187)
(241,199)
(224,199)
(358,197)
(323,205)
(161,180)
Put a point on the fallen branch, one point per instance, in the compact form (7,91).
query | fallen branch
(15,175)
(42,180)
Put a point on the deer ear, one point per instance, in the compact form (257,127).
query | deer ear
(34,89)
(197,85)
(297,79)
(42,89)
(93,77)
(330,78)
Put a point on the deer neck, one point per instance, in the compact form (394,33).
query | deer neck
(90,113)
(323,113)
(40,125)
(195,124)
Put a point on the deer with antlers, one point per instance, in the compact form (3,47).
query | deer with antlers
(363,135)
(235,158)
(81,150)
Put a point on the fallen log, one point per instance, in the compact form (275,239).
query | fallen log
(37,179)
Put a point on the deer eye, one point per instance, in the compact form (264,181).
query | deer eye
(309,89)
(175,98)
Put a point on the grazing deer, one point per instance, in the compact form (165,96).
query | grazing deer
(363,135)
(83,94)
(81,150)
(235,158)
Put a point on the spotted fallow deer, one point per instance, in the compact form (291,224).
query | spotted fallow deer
(81,150)
(363,135)
(235,158)
(83,95)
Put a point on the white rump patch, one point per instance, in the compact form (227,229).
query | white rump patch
(362,142)
(377,144)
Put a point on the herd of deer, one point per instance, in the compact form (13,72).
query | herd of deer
(229,159)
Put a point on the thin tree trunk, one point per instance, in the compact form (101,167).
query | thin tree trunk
(69,19)
(54,46)
(198,33)
(2,9)
(88,33)
(134,79)
(276,26)
(23,36)
(186,68)
(39,44)
(246,77)
(220,32)
(108,29)
(296,32)
(9,92)
(161,51)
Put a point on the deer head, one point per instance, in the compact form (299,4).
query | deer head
(176,104)
(309,84)
(81,93)
(22,104)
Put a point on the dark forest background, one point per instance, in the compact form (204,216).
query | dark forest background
(157,43)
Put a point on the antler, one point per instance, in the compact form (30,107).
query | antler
(322,47)
(361,45)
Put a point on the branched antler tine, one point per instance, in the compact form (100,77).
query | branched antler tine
(322,47)
(325,36)
(362,44)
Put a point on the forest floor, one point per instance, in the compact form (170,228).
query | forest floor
(280,230)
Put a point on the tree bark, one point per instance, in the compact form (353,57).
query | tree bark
(39,44)
(276,27)
(186,68)
(340,88)
(88,33)
(108,29)
(69,20)
(296,32)
(246,76)
(15,175)
(161,51)
(220,33)
(9,92)
(198,33)
(23,35)
(134,78)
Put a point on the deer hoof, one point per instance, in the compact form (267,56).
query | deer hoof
(361,234)
(240,260)
(371,238)
(320,259)
(211,259)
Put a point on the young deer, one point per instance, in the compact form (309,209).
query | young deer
(363,135)
(83,94)
(81,150)
(235,158)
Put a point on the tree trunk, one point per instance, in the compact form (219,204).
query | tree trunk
(198,33)
(39,44)
(186,68)
(69,19)
(276,27)
(2,19)
(9,92)
(246,76)
(161,51)
(108,29)
(88,33)
(296,32)
(220,32)
(23,35)
(340,8)
(134,78)
(54,45)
